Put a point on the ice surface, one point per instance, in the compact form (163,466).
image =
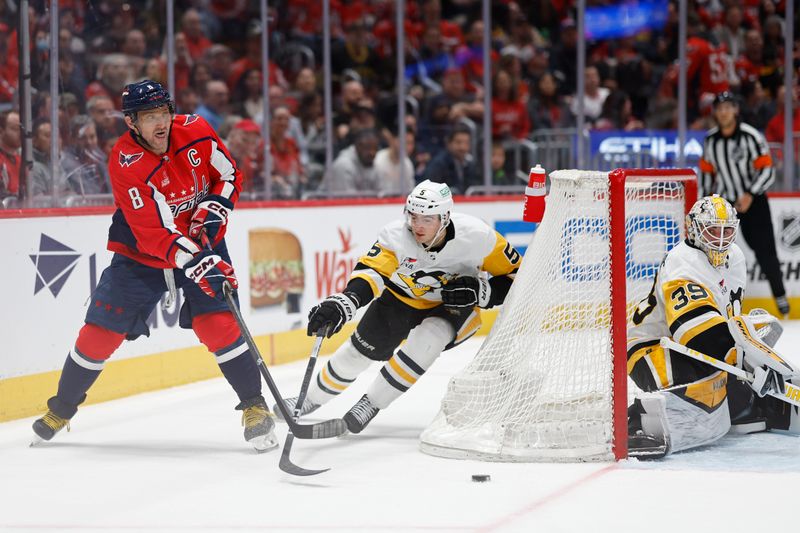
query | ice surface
(175,460)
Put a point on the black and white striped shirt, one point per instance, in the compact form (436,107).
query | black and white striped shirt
(732,166)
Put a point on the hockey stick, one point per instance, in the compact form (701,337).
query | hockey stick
(320,430)
(285,463)
(790,396)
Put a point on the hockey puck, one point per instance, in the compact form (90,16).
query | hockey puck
(481,478)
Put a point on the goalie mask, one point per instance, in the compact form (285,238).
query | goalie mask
(711,226)
(429,202)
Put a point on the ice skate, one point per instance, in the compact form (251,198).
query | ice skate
(783,306)
(259,427)
(360,415)
(308,407)
(47,426)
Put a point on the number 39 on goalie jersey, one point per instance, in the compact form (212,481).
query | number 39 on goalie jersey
(415,276)
(690,302)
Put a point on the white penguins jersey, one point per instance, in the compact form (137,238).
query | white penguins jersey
(399,264)
(689,297)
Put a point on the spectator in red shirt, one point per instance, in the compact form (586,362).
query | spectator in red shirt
(252,60)
(450,32)
(243,142)
(509,115)
(10,142)
(9,68)
(775,131)
(192,28)
(752,65)
(288,175)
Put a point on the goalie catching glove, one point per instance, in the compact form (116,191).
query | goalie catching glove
(210,219)
(332,313)
(210,272)
(769,370)
(466,291)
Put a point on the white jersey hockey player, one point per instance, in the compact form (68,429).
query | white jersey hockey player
(696,300)
(425,278)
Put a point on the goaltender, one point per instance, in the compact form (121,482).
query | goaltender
(696,300)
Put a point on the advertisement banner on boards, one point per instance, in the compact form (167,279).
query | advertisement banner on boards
(286,260)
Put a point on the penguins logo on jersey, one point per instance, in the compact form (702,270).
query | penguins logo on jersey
(422,282)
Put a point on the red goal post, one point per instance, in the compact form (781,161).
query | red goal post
(550,381)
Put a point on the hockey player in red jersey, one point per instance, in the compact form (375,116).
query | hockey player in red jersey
(174,186)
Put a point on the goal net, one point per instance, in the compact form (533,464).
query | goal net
(549,383)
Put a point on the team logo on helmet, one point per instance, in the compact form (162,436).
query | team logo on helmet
(126,160)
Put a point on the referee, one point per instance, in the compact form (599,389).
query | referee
(736,164)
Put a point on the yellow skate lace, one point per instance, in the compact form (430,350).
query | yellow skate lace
(55,422)
(252,416)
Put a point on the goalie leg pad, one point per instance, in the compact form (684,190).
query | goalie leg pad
(339,372)
(424,345)
(693,415)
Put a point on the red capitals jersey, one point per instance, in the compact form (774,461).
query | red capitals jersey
(712,64)
(156,195)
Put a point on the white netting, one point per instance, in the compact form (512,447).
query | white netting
(540,387)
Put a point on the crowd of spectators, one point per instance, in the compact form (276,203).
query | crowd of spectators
(630,83)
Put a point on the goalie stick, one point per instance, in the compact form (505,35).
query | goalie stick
(285,463)
(790,396)
(320,430)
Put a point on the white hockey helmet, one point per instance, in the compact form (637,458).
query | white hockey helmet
(711,226)
(431,198)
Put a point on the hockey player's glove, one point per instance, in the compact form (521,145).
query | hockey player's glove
(210,219)
(466,291)
(210,271)
(332,313)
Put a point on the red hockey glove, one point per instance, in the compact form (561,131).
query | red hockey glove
(210,218)
(210,272)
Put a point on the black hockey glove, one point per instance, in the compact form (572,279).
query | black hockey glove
(210,219)
(466,291)
(332,313)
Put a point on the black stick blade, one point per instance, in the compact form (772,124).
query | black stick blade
(321,430)
(289,467)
